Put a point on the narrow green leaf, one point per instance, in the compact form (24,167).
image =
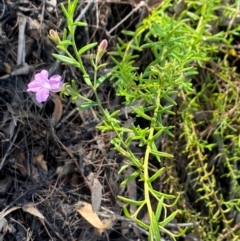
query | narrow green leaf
(114,113)
(64,34)
(158,134)
(87,79)
(140,112)
(74,86)
(156,175)
(168,219)
(159,208)
(141,224)
(86,105)
(160,194)
(130,201)
(65,12)
(102,79)
(74,5)
(126,213)
(169,99)
(129,33)
(65,59)
(80,24)
(154,148)
(123,168)
(135,162)
(86,48)
(129,140)
(133,176)
(66,42)
(102,66)
(161,154)
(63,48)
(151,236)
(154,228)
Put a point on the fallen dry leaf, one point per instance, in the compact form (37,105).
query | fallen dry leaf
(68,168)
(108,224)
(3,225)
(3,228)
(58,109)
(87,213)
(5,212)
(29,208)
(51,5)
(96,195)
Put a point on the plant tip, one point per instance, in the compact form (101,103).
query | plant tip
(53,35)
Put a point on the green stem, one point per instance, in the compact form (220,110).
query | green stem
(146,157)
(76,51)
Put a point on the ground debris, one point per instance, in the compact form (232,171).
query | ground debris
(52,156)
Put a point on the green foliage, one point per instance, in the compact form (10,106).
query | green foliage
(174,48)
(184,77)
(217,131)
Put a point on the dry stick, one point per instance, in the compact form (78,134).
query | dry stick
(9,148)
(141,4)
(143,13)
(8,209)
(26,69)
(69,151)
(3,10)
(132,222)
(55,232)
(169,225)
(20,60)
(69,115)
(21,39)
(86,30)
(85,10)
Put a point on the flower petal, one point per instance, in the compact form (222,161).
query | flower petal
(34,86)
(56,83)
(40,81)
(42,76)
(42,95)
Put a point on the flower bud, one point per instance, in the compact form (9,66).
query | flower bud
(103,45)
(101,50)
(53,35)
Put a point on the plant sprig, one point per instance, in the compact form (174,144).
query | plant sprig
(178,46)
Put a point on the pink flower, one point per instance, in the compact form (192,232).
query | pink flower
(42,85)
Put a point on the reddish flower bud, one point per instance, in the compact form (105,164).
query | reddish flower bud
(53,35)
(103,45)
(101,50)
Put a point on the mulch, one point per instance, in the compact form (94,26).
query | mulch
(53,159)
